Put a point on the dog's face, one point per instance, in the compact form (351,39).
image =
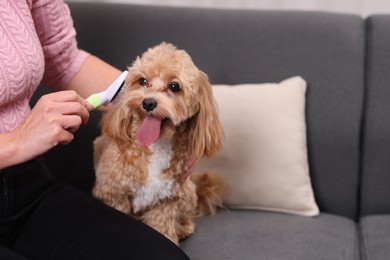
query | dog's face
(164,83)
(164,89)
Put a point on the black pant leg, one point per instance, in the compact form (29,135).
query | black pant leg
(70,224)
(8,254)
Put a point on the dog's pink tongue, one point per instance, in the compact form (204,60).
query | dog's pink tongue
(149,130)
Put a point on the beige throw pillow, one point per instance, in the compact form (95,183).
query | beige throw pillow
(265,159)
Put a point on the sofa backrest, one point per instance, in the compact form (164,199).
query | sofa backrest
(243,46)
(376,142)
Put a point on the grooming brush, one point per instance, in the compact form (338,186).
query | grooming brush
(110,94)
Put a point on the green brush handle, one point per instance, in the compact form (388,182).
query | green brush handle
(95,101)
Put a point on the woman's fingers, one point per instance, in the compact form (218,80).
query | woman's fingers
(61,136)
(67,96)
(68,110)
(66,103)
(71,123)
(71,109)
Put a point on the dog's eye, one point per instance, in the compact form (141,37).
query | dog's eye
(174,86)
(143,82)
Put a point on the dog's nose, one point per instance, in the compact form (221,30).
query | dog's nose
(149,104)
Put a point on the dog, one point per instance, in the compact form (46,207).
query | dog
(164,122)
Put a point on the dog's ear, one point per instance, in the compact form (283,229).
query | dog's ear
(116,124)
(205,134)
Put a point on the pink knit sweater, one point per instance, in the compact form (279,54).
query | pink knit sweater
(37,43)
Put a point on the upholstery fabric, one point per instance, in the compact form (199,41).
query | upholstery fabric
(375,232)
(262,235)
(376,141)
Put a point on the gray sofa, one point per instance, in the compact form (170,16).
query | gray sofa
(346,62)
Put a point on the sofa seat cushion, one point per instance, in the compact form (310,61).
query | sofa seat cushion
(375,232)
(245,234)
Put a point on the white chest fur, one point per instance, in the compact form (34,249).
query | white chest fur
(157,187)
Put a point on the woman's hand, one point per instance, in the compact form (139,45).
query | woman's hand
(52,121)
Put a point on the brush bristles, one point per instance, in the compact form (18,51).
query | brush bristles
(121,91)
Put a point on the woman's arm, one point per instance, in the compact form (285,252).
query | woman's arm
(94,76)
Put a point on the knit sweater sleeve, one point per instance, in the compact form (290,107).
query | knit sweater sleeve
(54,26)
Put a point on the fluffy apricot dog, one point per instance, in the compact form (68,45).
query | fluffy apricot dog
(165,121)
